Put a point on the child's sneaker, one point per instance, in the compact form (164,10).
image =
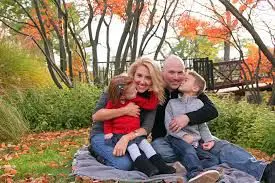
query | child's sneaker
(209,176)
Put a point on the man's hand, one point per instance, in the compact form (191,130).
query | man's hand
(178,123)
(132,109)
(208,145)
(121,146)
(108,136)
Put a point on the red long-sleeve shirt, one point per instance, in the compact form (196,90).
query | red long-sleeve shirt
(126,124)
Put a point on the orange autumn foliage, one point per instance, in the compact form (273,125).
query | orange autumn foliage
(32,30)
(190,27)
(49,18)
(216,32)
(252,62)
(77,65)
(115,7)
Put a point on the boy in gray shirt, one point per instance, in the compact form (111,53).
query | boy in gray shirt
(191,143)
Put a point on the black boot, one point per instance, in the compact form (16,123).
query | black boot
(269,173)
(161,165)
(144,165)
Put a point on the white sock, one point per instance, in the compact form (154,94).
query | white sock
(134,151)
(146,147)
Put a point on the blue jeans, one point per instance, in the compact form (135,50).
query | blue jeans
(116,137)
(234,156)
(194,159)
(106,153)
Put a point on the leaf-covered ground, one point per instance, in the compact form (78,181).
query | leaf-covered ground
(47,157)
(43,157)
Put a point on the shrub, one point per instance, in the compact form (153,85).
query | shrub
(248,125)
(12,123)
(20,69)
(56,109)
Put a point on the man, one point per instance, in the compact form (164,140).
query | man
(234,156)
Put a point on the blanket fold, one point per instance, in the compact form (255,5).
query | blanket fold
(86,165)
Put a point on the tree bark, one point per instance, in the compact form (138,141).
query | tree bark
(250,29)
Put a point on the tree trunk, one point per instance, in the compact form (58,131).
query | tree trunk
(250,29)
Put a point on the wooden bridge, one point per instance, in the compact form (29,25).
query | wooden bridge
(220,76)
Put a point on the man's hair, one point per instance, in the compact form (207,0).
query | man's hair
(117,86)
(199,81)
(174,58)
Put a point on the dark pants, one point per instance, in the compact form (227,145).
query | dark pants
(194,159)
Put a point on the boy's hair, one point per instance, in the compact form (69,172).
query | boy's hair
(117,86)
(199,81)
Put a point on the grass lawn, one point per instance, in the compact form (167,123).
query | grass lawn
(43,157)
(47,157)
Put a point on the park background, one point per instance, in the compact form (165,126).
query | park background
(56,57)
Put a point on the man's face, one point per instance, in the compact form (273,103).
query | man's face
(173,74)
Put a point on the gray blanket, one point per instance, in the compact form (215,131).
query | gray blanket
(86,165)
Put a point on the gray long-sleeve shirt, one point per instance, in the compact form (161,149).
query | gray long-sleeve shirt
(183,105)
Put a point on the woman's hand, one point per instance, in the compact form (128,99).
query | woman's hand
(121,146)
(132,109)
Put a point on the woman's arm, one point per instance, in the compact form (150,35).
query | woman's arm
(102,114)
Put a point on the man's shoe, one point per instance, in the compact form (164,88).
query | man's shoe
(209,176)
(269,173)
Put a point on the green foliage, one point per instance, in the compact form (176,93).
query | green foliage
(55,109)
(201,47)
(20,69)
(12,124)
(246,124)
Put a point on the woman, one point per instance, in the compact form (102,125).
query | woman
(147,78)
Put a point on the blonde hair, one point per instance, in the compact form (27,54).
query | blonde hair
(199,81)
(117,86)
(155,73)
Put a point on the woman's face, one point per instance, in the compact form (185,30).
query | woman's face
(142,79)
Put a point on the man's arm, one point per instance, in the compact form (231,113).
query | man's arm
(204,114)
